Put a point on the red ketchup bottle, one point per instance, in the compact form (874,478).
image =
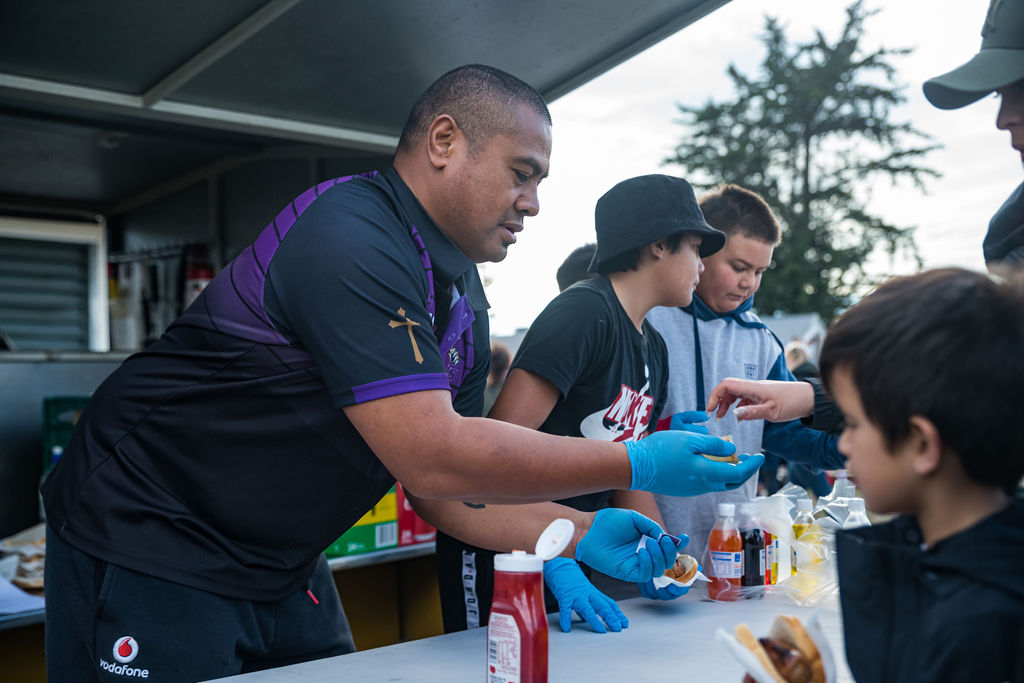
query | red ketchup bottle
(517,631)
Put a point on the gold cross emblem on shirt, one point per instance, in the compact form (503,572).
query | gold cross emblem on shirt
(409,324)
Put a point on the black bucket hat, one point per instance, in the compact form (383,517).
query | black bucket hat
(999,63)
(645,209)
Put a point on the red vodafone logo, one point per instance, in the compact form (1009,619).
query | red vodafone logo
(126,649)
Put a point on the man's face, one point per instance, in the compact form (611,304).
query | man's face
(884,476)
(491,191)
(1011,115)
(678,273)
(733,273)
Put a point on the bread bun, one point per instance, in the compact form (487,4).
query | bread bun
(722,458)
(794,658)
(747,640)
(683,570)
(789,629)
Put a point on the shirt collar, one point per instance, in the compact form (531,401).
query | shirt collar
(450,265)
(702,311)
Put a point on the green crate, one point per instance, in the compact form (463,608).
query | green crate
(60,414)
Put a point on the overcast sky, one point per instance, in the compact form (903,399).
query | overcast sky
(623,124)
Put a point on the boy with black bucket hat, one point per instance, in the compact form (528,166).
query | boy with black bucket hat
(591,366)
(998,67)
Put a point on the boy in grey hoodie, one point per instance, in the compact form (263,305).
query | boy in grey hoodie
(719,336)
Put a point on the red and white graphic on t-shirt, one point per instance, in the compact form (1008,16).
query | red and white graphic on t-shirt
(126,649)
(626,419)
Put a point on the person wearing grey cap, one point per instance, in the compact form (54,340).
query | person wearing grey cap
(591,366)
(998,67)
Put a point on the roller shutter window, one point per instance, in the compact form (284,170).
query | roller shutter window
(44,294)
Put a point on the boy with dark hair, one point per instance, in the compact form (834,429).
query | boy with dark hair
(590,366)
(576,267)
(928,372)
(718,336)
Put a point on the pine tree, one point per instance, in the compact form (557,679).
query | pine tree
(810,134)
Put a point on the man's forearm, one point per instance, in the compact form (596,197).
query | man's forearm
(502,528)
(436,453)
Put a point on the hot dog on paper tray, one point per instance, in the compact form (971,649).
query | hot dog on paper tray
(792,652)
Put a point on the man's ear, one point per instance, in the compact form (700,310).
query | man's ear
(442,136)
(927,444)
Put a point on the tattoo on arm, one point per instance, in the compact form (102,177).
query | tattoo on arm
(475,506)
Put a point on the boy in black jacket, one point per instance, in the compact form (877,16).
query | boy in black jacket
(928,372)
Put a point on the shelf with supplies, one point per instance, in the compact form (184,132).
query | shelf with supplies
(404,552)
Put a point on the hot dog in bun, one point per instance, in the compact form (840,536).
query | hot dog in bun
(683,570)
(788,653)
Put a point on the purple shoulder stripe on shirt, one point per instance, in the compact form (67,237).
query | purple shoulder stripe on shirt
(399,385)
(233,301)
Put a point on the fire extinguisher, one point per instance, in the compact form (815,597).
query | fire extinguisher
(198,273)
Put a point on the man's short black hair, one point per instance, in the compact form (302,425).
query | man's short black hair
(575,266)
(630,260)
(737,210)
(946,345)
(479,98)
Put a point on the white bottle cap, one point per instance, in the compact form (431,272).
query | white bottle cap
(517,561)
(803,504)
(726,509)
(856,505)
(554,539)
(551,543)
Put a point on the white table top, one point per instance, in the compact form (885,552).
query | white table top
(665,641)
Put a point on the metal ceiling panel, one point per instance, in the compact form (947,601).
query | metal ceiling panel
(119,45)
(191,82)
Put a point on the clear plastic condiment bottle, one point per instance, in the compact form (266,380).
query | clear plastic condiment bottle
(725,551)
(803,520)
(517,630)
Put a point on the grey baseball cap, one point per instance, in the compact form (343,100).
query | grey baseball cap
(645,209)
(999,63)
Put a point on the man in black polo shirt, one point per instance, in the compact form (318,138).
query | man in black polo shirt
(345,348)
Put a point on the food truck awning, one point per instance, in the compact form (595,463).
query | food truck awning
(107,102)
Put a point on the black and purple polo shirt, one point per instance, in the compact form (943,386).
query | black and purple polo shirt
(220,457)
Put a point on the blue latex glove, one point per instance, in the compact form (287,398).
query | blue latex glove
(669,592)
(610,546)
(574,591)
(670,462)
(686,421)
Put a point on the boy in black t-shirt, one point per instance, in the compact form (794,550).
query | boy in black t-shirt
(591,366)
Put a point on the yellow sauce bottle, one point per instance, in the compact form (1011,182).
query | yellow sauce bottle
(801,523)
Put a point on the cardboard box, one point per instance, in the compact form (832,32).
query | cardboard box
(376,530)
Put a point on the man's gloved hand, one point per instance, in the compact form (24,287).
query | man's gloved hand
(610,546)
(669,592)
(574,591)
(670,462)
(687,420)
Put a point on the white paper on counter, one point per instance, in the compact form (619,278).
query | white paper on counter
(13,599)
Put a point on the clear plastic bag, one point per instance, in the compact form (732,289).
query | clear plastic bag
(815,577)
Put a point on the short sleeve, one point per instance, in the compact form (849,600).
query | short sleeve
(347,285)
(566,338)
